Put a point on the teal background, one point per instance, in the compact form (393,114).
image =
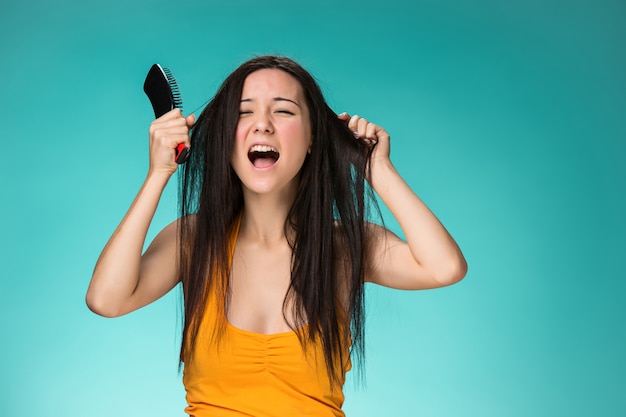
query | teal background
(507,118)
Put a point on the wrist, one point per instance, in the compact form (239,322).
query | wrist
(158,177)
(380,172)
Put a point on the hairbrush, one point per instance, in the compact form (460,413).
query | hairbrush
(162,90)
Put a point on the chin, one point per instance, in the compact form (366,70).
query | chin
(256,187)
(268,188)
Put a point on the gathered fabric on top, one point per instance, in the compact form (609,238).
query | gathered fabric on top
(244,373)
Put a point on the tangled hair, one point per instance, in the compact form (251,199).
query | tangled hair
(328,217)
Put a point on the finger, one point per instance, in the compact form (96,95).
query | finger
(177,140)
(171,142)
(191,120)
(371,132)
(163,134)
(175,113)
(362,127)
(343,116)
(169,129)
(172,125)
(167,124)
(178,121)
(353,123)
(184,139)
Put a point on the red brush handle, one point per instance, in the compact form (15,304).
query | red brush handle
(182,153)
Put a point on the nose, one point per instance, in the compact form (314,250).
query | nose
(263,124)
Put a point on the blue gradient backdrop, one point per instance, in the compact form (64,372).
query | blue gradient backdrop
(508,118)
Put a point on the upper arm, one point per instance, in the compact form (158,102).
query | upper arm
(390,263)
(158,271)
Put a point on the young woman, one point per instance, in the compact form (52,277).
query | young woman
(273,245)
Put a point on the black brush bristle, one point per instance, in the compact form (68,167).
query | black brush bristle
(171,80)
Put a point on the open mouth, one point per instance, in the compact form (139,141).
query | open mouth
(263,156)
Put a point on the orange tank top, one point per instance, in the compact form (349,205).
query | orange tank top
(257,375)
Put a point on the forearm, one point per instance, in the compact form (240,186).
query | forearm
(116,273)
(430,243)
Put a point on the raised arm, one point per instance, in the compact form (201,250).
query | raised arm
(430,257)
(123,280)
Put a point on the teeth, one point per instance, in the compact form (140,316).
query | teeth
(262,148)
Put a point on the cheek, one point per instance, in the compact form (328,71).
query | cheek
(302,133)
(240,133)
(240,138)
(236,158)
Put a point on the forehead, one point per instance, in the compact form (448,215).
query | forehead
(271,82)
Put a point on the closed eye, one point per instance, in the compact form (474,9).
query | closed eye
(285,112)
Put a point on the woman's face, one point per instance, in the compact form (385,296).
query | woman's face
(273,132)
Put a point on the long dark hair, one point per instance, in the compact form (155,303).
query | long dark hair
(328,217)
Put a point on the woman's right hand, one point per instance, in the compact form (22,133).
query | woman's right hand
(166,133)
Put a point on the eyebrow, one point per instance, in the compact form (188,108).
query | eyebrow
(247,100)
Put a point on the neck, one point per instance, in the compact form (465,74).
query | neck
(264,216)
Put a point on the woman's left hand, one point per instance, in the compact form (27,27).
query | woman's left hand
(371,134)
(430,257)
